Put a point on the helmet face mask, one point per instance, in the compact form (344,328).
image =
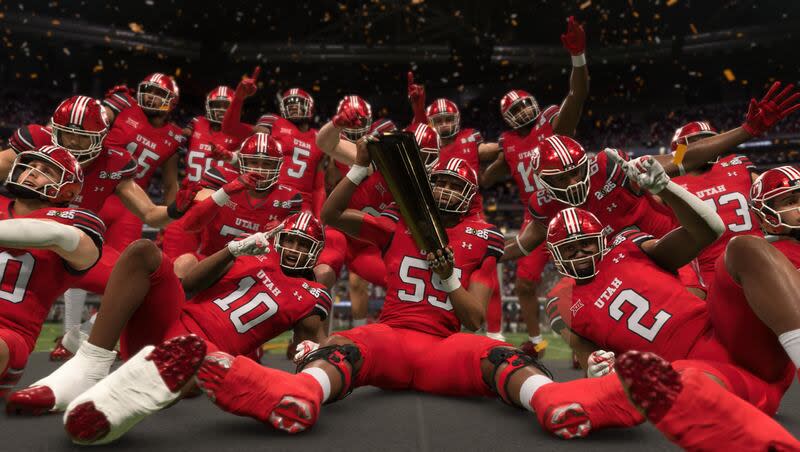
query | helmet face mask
(153,98)
(430,157)
(80,124)
(269,167)
(570,186)
(452,193)
(578,256)
(39,174)
(445,124)
(299,243)
(216,108)
(84,145)
(296,105)
(522,112)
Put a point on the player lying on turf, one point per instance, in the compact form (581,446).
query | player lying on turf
(417,343)
(241,297)
(606,305)
(44,248)
(694,412)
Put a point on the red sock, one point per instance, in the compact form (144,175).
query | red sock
(603,400)
(705,416)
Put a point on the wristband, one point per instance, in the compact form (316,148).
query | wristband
(521,248)
(234,157)
(220,197)
(451,284)
(579,60)
(173,212)
(357,174)
(681,169)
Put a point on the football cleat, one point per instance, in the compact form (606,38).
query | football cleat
(568,421)
(148,382)
(534,350)
(59,352)
(650,381)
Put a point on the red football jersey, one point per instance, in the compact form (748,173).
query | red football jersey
(254,302)
(31,280)
(631,304)
(149,146)
(301,157)
(726,188)
(464,146)
(245,215)
(372,195)
(518,153)
(414,298)
(614,203)
(198,154)
(100,177)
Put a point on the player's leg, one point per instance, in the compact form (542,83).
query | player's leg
(529,273)
(494,311)
(770,284)
(74,302)
(359,299)
(148,382)
(366,261)
(694,411)
(141,301)
(290,402)
(13,357)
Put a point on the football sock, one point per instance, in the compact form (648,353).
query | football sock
(535,339)
(89,365)
(359,322)
(321,377)
(74,300)
(790,341)
(529,388)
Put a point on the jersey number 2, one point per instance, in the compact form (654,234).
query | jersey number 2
(15,274)
(642,307)
(261,298)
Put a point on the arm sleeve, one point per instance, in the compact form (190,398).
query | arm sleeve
(485,273)
(496,242)
(200,215)
(232,121)
(324,303)
(118,102)
(377,230)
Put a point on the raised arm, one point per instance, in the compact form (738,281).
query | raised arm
(416,97)
(328,137)
(232,121)
(525,242)
(69,242)
(495,172)
(136,200)
(574,40)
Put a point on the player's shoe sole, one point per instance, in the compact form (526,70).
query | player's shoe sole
(650,382)
(221,380)
(33,401)
(568,421)
(59,352)
(149,381)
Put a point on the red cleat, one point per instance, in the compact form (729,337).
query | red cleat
(148,382)
(59,353)
(694,411)
(33,401)
(240,386)
(535,351)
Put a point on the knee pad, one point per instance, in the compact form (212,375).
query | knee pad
(343,358)
(516,360)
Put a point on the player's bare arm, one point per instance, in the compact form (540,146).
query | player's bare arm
(334,211)
(329,142)
(7,157)
(488,152)
(495,172)
(700,224)
(169,178)
(207,272)
(574,40)
(136,200)
(69,242)
(468,304)
(524,242)
(311,328)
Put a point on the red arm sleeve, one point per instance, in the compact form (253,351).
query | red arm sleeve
(200,215)
(377,230)
(485,273)
(232,121)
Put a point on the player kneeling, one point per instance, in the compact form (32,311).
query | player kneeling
(45,248)
(417,343)
(245,296)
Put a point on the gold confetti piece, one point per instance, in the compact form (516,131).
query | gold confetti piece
(679,153)
(671,2)
(729,75)
(55,22)
(136,28)
(586,4)
(693,28)
(178,72)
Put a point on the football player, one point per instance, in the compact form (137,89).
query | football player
(45,248)
(752,291)
(243,295)
(249,200)
(80,125)
(417,343)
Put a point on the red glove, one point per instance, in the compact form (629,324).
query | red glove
(249,85)
(764,114)
(348,118)
(243,182)
(574,40)
(220,153)
(123,89)
(186,194)
(416,95)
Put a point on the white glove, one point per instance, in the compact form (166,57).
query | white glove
(600,363)
(645,171)
(303,349)
(254,244)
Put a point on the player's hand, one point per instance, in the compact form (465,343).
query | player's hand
(645,171)
(252,245)
(220,153)
(243,182)
(122,89)
(441,262)
(764,114)
(348,118)
(249,85)
(416,92)
(186,194)
(574,40)
(303,349)
(600,363)
(271,233)
(362,153)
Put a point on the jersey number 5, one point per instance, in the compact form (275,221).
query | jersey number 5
(298,158)
(259,299)
(419,284)
(15,273)
(642,307)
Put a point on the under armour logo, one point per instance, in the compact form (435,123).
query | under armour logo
(611,207)
(466,245)
(618,257)
(298,296)
(731,173)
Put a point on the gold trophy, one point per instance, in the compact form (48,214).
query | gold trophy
(397,157)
